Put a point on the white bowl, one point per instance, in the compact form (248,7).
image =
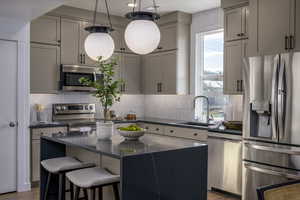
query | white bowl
(132,135)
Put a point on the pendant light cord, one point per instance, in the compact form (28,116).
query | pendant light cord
(107,12)
(108,15)
(95,12)
(155,6)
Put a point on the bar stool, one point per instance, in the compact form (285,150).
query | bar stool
(60,166)
(92,179)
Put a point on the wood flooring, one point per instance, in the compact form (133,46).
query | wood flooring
(34,195)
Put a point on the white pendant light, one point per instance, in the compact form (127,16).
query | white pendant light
(142,35)
(99,44)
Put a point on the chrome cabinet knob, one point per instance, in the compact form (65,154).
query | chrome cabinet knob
(12,124)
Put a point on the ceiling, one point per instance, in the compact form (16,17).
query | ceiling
(120,8)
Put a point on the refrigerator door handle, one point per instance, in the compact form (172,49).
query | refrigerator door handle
(272,149)
(274,98)
(272,172)
(281,100)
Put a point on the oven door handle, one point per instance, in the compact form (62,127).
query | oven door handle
(272,172)
(272,149)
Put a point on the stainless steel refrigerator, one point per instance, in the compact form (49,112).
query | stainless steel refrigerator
(271,133)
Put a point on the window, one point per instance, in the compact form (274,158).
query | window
(209,74)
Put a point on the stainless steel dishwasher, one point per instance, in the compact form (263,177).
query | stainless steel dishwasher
(225,163)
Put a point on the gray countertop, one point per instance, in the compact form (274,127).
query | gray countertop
(117,147)
(168,122)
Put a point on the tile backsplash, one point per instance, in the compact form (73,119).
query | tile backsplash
(179,107)
(128,103)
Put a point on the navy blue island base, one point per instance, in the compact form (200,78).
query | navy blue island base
(151,168)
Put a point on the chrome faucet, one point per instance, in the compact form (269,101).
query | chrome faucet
(207,108)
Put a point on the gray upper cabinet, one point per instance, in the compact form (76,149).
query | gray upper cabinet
(168,37)
(45,30)
(118,36)
(83,57)
(131,73)
(236,23)
(129,70)
(273,26)
(70,36)
(296,22)
(233,66)
(44,68)
(160,73)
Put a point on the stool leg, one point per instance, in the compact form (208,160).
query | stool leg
(72,191)
(61,191)
(100,193)
(116,191)
(47,186)
(77,192)
(93,194)
(86,197)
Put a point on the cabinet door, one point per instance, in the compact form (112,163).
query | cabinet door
(168,66)
(233,24)
(131,73)
(233,65)
(44,68)
(296,21)
(45,29)
(70,35)
(168,39)
(273,25)
(118,36)
(35,160)
(152,74)
(86,60)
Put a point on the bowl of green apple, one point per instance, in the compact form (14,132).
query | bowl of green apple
(131,132)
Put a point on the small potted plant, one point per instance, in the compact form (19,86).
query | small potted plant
(107,91)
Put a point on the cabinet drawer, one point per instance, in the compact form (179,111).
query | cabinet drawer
(153,128)
(194,134)
(37,133)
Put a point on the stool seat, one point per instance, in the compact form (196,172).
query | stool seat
(57,165)
(92,177)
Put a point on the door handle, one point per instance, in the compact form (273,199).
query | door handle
(12,124)
(271,149)
(238,85)
(287,43)
(273,172)
(292,42)
(81,58)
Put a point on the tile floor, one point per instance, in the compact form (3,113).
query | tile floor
(34,195)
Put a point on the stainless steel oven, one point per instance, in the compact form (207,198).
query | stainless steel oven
(70,75)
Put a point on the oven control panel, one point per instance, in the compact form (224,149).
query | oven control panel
(79,108)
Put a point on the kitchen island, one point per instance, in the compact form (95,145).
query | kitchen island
(155,167)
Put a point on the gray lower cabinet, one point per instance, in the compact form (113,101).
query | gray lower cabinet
(44,68)
(225,164)
(45,29)
(35,148)
(234,52)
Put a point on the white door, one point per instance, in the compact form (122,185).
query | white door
(8,116)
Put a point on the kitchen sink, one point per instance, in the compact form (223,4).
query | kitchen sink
(194,124)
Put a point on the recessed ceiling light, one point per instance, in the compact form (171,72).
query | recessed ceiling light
(152,7)
(132,5)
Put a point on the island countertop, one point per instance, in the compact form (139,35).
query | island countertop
(118,147)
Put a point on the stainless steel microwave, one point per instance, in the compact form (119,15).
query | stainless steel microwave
(70,75)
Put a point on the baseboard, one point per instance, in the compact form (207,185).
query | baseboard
(24,187)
